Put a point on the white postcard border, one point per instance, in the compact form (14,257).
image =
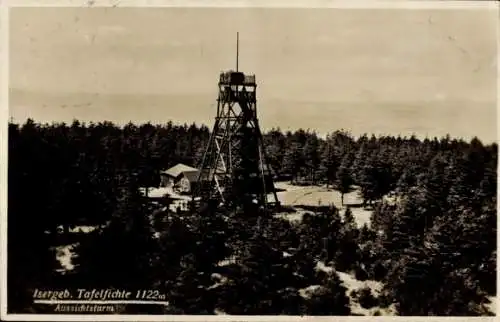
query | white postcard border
(333,4)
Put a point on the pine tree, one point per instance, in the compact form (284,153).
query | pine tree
(413,281)
(122,249)
(261,275)
(344,179)
(329,162)
(329,299)
(348,251)
(311,155)
(190,293)
(368,184)
(349,220)
(293,160)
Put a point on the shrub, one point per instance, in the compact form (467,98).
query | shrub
(366,298)
(360,274)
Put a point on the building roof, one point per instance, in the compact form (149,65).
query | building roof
(178,169)
(192,176)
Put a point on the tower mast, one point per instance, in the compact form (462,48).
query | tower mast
(234,169)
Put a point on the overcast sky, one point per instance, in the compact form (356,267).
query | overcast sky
(391,71)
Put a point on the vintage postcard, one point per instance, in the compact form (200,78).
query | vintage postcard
(228,161)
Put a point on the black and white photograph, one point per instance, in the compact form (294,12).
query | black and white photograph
(247,161)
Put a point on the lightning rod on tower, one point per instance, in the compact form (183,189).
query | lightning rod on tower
(237,49)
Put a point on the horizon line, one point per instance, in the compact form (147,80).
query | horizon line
(322,135)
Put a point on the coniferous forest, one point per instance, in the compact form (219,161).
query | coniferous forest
(432,245)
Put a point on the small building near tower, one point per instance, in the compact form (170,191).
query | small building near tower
(172,175)
(187,182)
(180,177)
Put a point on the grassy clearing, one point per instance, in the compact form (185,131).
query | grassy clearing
(298,196)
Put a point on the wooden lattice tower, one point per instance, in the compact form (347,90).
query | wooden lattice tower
(234,168)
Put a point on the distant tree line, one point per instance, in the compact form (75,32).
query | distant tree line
(432,241)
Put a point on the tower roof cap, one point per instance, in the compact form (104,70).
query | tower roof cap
(236,78)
